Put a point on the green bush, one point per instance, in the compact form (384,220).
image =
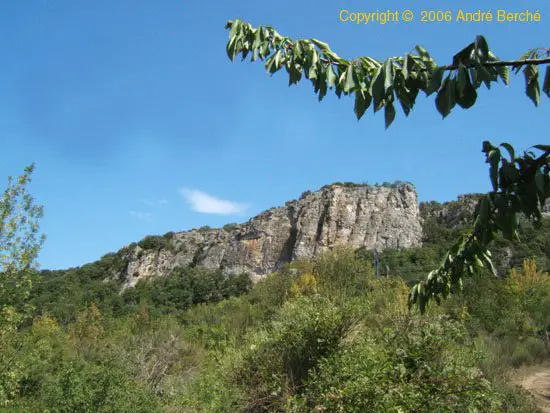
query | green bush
(155,243)
(230,227)
(278,360)
(415,365)
(83,387)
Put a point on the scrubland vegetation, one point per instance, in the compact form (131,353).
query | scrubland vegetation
(325,335)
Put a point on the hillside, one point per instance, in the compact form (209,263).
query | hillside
(329,330)
(359,216)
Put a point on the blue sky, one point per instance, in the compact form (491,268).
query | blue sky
(139,124)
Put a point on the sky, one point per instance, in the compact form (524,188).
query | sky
(139,124)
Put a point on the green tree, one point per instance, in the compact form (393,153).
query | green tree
(20,242)
(521,184)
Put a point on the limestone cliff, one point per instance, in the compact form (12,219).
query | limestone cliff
(355,215)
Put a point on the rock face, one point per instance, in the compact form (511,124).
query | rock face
(453,213)
(358,216)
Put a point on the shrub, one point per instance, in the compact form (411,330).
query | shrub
(340,274)
(230,227)
(279,360)
(304,194)
(412,365)
(154,242)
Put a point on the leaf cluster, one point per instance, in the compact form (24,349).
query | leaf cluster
(385,84)
(521,186)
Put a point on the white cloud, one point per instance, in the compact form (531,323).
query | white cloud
(150,202)
(144,216)
(208,204)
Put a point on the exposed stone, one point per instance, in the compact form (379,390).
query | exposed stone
(453,213)
(372,217)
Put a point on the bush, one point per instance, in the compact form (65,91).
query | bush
(82,387)
(415,365)
(279,360)
(304,194)
(155,242)
(230,227)
(340,274)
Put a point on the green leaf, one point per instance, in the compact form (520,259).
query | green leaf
(546,84)
(461,76)
(484,210)
(349,79)
(406,100)
(424,55)
(421,302)
(389,114)
(377,88)
(331,76)
(464,56)
(274,62)
(405,67)
(321,85)
(532,88)
(482,49)
(540,183)
(446,98)
(294,73)
(388,74)
(493,158)
(544,148)
(235,26)
(435,80)
(467,98)
(510,150)
(312,72)
(512,174)
(504,73)
(362,102)
(529,54)
(485,75)
(231,48)
(297,50)
(321,45)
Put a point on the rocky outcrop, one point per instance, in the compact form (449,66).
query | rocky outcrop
(453,213)
(456,213)
(372,217)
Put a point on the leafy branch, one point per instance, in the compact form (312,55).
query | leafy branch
(521,185)
(397,79)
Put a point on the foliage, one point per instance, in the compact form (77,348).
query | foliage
(411,365)
(63,294)
(20,242)
(395,184)
(366,353)
(305,194)
(521,185)
(186,286)
(320,333)
(397,79)
(513,312)
(230,227)
(156,243)
(279,360)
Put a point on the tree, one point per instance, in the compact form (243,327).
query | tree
(521,184)
(20,243)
